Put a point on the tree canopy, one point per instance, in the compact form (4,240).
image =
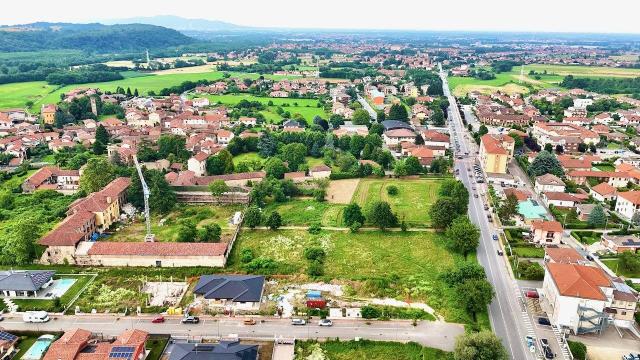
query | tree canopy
(546,163)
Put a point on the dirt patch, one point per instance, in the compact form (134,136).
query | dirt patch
(341,191)
(186,70)
(605,353)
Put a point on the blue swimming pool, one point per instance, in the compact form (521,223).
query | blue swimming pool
(37,350)
(60,286)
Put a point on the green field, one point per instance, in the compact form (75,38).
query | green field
(412,203)
(394,264)
(251,156)
(201,215)
(308,108)
(372,350)
(509,82)
(306,212)
(613,265)
(17,94)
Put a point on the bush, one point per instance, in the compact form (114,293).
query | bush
(316,268)
(355,227)
(392,190)
(261,264)
(370,312)
(246,256)
(578,350)
(314,229)
(314,253)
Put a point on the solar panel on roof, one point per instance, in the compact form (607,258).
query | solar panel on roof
(121,352)
(6,336)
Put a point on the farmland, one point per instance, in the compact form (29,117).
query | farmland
(16,94)
(509,82)
(412,203)
(394,264)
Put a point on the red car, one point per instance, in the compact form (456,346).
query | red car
(158,320)
(532,294)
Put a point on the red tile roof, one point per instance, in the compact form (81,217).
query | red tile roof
(604,189)
(554,226)
(632,196)
(68,346)
(579,281)
(564,255)
(157,249)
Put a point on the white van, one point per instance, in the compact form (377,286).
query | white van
(35,317)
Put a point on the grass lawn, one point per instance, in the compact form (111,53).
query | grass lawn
(308,108)
(15,95)
(394,264)
(613,265)
(372,350)
(251,156)
(26,341)
(586,237)
(582,71)
(412,203)
(308,211)
(49,305)
(201,215)
(605,167)
(528,252)
(156,346)
(15,181)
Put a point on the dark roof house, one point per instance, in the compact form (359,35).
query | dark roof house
(225,350)
(238,288)
(395,124)
(28,280)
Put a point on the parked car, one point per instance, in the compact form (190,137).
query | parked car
(544,321)
(325,322)
(486,207)
(544,342)
(298,322)
(532,294)
(190,320)
(249,321)
(531,343)
(35,317)
(158,320)
(548,354)
(589,257)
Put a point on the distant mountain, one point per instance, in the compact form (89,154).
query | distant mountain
(89,37)
(180,23)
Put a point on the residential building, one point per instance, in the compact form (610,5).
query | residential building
(569,136)
(79,344)
(231,292)
(8,344)
(546,232)
(436,138)
(225,349)
(628,204)
(152,254)
(397,136)
(560,199)
(24,283)
(52,178)
(198,164)
(48,113)
(549,182)
(296,176)
(495,152)
(620,243)
(578,297)
(563,255)
(320,172)
(603,192)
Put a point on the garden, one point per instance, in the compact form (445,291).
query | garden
(368,350)
(519,246)
(64,302)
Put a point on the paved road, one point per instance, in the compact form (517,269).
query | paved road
(435,334)
(508,320)
(365,105)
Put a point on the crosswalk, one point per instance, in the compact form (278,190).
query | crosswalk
(563,345)
(526,319)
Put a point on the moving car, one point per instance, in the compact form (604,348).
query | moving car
(495,237)
(475,196)
(532,294)
(544,342)
(158,320)
(249,321)
(298,322)
(500,253)
(544,321)
(325,322)
(190,320)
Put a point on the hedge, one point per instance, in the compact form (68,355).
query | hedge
(578,350)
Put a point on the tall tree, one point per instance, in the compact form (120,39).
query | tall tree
(294,154)
(546,163)
(443,212)
(352,214)
(398,112)
(275,168)
(483,345)
(218,187)
(598,217)
(475,295)
(102,135)
(361,117)
(96,175)
(463,236)
(379,214)
(274,221)
(253,216)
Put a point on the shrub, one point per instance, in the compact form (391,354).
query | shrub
(370,312)
(261,264)
(392,190)
(578,350)
(314,253)
(246,256)
(355,227)
(316,268)
(314,229)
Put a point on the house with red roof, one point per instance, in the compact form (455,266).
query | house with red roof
(628,204)
(603,192)
(52,178)
(396,136)
(495,152)
(80,344)
(546,232)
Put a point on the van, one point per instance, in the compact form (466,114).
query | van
(35,317)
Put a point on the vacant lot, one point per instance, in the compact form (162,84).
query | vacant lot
(308,211)
(412,203)
(395,264)
(373,350)
(341,191)
(308,108)
(614,265)
(200,214)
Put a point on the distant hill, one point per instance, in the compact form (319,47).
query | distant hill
(89,37)
(180,23)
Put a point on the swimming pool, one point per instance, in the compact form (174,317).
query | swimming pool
(59,287)
(531,210)
(37,350)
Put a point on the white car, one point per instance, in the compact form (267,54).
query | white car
(298,322)
(325,322)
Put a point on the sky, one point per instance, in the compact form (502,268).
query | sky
(611,16)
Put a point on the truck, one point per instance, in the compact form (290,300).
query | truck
(35,317)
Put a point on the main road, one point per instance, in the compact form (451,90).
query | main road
(436,334)
(507,312)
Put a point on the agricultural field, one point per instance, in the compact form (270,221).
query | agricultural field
(372,350)
(412,203)
(304,212)
(168,231)
(401,265)
(16,94)
(308,108)
(509,82)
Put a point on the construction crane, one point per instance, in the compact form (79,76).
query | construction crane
(149,237)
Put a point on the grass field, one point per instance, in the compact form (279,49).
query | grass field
(308,108)
(372,350)
(395,264)
(509,82)
(201,215)
(252,156)
(613,265)
(16,94)
(412,203)
(306,212)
